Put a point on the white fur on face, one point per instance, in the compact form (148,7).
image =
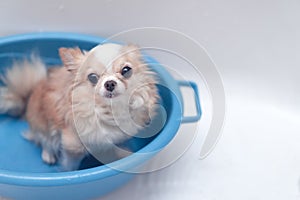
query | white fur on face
(106,53)
(119,89)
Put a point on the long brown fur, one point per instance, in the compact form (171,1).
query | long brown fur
(68,115)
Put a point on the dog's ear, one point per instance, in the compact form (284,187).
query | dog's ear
(71,57)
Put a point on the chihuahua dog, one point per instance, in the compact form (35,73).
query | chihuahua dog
(96,100)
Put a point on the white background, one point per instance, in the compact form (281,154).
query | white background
(256,47)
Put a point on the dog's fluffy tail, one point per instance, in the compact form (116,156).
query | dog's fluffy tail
(19,82)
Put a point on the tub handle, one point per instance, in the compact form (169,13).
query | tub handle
(195,118)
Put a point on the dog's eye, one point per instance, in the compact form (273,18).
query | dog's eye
(126,71)
(93,78)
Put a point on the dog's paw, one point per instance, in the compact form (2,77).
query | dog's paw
(70,160)
(48,157)
(28,135)
(137,102)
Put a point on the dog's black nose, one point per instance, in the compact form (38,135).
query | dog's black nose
(110,85)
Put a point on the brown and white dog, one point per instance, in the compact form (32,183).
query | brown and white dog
(98,99)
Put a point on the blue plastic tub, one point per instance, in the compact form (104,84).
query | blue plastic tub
(23,175)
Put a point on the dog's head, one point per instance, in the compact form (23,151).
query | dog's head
(109,71)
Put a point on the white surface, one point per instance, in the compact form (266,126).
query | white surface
(256,47)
